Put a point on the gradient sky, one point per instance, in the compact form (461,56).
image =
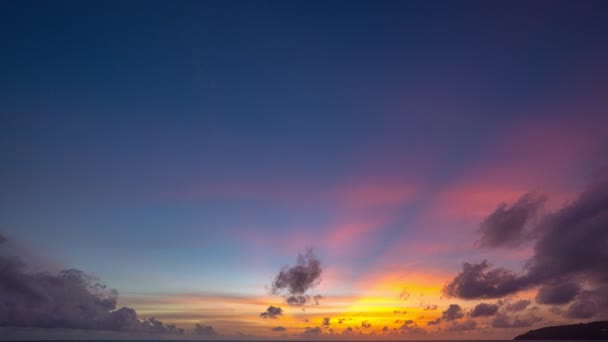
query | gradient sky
(184,152)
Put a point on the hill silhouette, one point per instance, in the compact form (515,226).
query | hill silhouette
(582,331)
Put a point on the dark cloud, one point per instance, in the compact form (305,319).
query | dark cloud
(348,330)
(2,238)
(204,330)
(462,326)
(569,251)
(297,300)
(453,312)
(70,299)
(366,325)
(588,304)
(411,327)
(434,322)
(520,305)
(574,239)
(293,282)
(317,298)
(557,293)
(385,329)
(478,281)
(581,309)
(315,330)
(279,328)
(326,321)
(484,309)
(408,323)
(506,226)
(430,307)
(272,312)
(504,321)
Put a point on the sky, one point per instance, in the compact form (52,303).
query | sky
(301,169)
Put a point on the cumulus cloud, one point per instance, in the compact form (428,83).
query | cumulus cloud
(557,293)
(569,254)
(484,309)
(581,309)
(520,305)
(453,312)
(279,328)
(462,326)
(366,325)
(506,226)
(272,312)
(434,322)
(293,282)
(408,323)
(314,331)
(504,321)
(70,299)
(411,327)
(478,281)
(204,330)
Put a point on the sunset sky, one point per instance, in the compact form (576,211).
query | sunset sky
(302,169)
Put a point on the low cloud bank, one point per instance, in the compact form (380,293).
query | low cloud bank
(70,299)
(569,261)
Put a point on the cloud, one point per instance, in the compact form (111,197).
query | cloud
(453,312)
(504,321)
(434,322)
(462,326)
(478,281)
(520,305)
(505,227)
(204,330)
(366,325)
(326,321)
(430,307)
(569,252)
(293,282)
(272,312)
(69,299)
(557,293)
(279,328)
(484,309)
(404,295)
(581,309)
(314,331)
(411,327)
